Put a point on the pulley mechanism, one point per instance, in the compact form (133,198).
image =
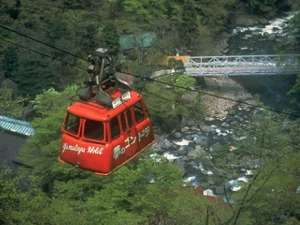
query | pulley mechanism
(101,78)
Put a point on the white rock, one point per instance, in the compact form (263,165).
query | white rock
(209,172)
(242,138)
(189,179)
(244,48)
(169,156)
(243,179)
(208,192)
(232,148)
(224,134)
(185,129)
(236,188)
(298,190)
(152,181)
(249,173)
(234,185)
(182,143)
(209,156)
(201,167)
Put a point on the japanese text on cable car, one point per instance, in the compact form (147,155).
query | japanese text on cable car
(119,150)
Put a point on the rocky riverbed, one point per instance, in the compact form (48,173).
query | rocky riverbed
(207,152)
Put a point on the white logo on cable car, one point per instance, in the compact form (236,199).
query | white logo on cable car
(119,150)
(79,149)
(118,101)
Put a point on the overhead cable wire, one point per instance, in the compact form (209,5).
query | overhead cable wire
(61,7)
(40,53)
(149,79)
(41,42)
(213,95)
(155,80)
(235,216)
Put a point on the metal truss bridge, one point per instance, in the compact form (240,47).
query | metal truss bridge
(242,65)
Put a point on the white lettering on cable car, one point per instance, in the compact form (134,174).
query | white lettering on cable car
(118,101)
(79,149)
(95,150)
(119,150)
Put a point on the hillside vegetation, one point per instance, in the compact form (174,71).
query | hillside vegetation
(146,191)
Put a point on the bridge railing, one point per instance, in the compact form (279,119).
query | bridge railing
(243,64)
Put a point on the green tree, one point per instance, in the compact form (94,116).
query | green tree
(293,45)
(8,197)
(168,104)
(294,94)
(9,62)
(110,39)
(273,199)
(145,191)
(270,197)
(10,104)
(267,6)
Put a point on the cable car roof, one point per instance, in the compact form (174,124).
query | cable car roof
(94,111)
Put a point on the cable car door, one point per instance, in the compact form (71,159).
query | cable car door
(131,144)
(70,142)
(143,126)
(118,142)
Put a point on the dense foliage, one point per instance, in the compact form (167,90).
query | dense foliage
(168,105)
(267,6)
(148,190)
(10,104)
(294,44)
(82,26)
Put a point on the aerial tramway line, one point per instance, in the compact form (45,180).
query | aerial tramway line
(109,125)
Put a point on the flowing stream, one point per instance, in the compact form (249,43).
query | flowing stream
(208,151)
(267,39)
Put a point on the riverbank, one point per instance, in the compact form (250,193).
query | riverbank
(226,88)
(208,151)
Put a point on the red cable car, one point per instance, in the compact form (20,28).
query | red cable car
(105,130)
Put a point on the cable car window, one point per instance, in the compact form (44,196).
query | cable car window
(123,121)
(72,123)
(129,118)
(115,127)
(93,130)
(138,112)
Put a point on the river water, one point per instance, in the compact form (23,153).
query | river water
(209,152)
(264,39)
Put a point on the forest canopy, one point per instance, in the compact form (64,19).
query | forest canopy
(40,79)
